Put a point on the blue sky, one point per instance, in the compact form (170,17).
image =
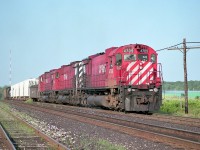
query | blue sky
(45,34)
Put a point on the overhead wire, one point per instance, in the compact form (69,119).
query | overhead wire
(169,47)
(174,46)
(192,42)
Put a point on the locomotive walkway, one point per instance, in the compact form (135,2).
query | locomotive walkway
(177,138)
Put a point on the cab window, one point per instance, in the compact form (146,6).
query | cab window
(118,59)
(153,58)
(111,65)
(57,75)
(129,57)
(65,76)
(143,57)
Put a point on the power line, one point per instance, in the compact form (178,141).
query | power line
(192,42)
(175,46)
(169,47)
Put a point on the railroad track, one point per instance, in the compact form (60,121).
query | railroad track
(195,122)
(5,142)
(18,134)
(175,137)
(187,121)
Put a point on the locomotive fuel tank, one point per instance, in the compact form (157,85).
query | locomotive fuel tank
(99,100)
(44,98)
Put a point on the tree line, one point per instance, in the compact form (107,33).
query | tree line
(1,92)
(179,86)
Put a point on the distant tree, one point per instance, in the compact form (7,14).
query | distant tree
(179,85)
(1,93)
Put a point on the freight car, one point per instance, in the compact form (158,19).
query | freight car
(125,78)
(21,91)
(6,93)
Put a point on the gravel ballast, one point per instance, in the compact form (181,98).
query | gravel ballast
(80,136)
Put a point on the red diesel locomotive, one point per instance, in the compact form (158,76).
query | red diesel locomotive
(122,78)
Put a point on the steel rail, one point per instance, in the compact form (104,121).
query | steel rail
(55,144)
(5,139)
(194,122)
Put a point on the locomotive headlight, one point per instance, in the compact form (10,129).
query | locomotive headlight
(155,90)
(129,89)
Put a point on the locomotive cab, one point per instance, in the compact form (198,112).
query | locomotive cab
(139,78)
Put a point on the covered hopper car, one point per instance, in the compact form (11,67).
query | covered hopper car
(21,90)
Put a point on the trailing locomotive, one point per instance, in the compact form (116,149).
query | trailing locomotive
(122,78)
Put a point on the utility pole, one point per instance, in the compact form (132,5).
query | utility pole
(10,71)
(184,51)
(185,75)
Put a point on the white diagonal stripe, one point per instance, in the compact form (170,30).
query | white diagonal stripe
(80,74)
(151,78)
(130,65)
(131,73)
(140,73)
(80,68)
(146,76)
(145,68)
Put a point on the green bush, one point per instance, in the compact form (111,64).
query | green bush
(194,107)
(197,97)
(103,144)
(99,144)
(177,107)
(29,101)
(171,106)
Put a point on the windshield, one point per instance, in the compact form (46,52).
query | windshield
(153,58)
(128,57)
(118,59)
(143,57)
